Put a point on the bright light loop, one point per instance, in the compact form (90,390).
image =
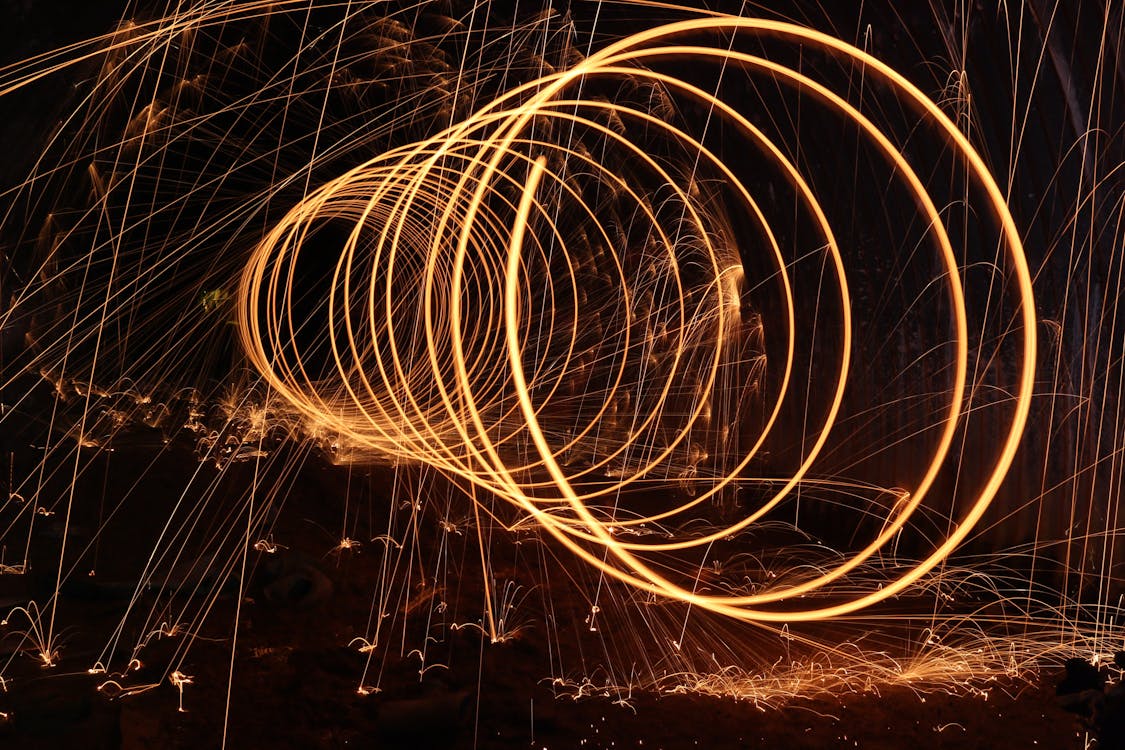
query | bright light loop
(456,315)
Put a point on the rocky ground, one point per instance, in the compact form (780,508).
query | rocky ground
(293,680)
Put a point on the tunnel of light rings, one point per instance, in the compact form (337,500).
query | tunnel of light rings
(448,409)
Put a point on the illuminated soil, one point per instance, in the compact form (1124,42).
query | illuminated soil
(301,696)
(295,680)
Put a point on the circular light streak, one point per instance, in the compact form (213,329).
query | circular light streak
(454,310)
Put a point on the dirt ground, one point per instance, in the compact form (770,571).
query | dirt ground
(308,700)
(292,682)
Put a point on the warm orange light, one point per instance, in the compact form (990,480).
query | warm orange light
(447,348)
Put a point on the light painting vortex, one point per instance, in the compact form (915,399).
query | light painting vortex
(461,328)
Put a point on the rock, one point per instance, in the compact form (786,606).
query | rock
(1086,703)
(294,582)
(1081,676)
(432,721)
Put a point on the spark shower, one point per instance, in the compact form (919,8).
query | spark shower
(725,310)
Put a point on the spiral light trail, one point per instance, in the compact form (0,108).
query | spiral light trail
(457,307)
